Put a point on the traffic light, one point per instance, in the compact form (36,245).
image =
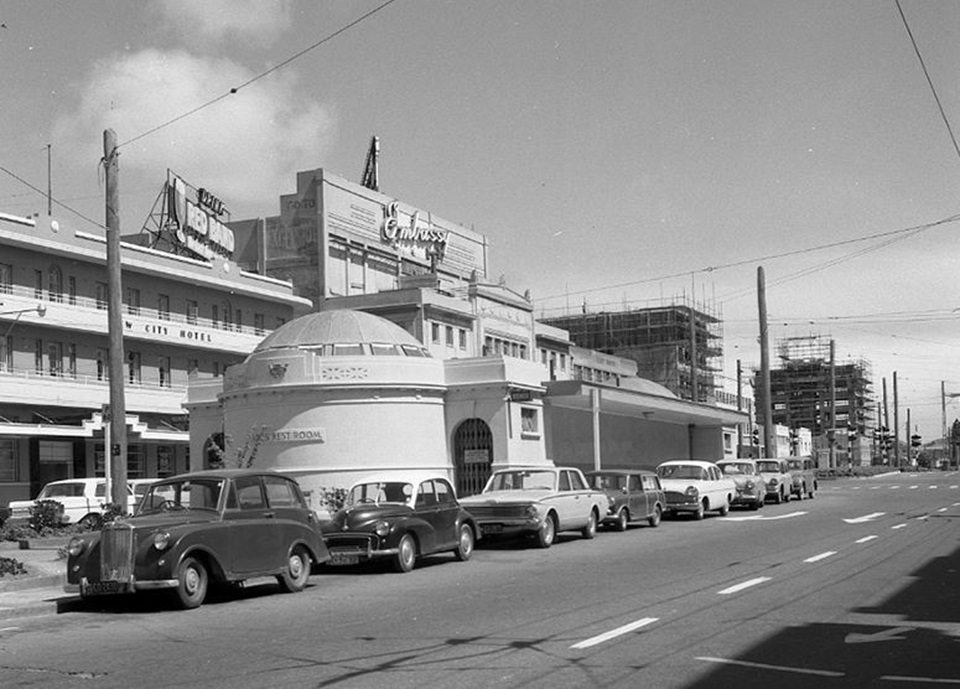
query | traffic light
(915,440)
(794,440)
(851,434)
(756,437)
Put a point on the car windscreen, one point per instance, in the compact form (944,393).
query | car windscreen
(772,467)
(196,494)
(523,480)
(608,481)
(736,469)
(61,490)
(398,492)
(682,471)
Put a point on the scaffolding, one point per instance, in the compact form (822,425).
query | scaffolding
(658,338)
(800,389)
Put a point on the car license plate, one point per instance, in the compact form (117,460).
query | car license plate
(104,588)
(492,528)
(343,559)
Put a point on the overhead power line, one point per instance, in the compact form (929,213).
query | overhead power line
(926,73)
(276,67)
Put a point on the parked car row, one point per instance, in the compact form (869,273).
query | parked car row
(83,500)
(215,529)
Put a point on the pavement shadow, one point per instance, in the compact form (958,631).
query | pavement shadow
(921,648)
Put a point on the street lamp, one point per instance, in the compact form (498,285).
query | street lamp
(39,308)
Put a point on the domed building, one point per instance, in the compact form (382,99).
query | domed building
(333,396)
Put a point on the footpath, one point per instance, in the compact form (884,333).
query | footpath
(40,590)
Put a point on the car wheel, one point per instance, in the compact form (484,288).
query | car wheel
(623,519)
(701,510)
(811,491)
(779,497)
(725,510)
(464,547)
(654,519)
(295,576)
(192,580)
(802,491)
(590,530)
(406,556)
(755,505)
(91,521)
(547,532)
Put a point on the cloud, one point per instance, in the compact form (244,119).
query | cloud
(244,148)
(218,20)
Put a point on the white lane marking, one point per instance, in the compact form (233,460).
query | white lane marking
(923,680)
(894,487)
(892,634)
(865,518)
(942,509)
(932,487)
(865,539)
(953,487)
(614,633)
(759,518)
(914,487)
(898,526)
(875,487)
(821,556)
(855,488)
(765,666)
(956,504)
(744,585)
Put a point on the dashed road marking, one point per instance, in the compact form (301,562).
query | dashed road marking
(743,585)
(897,526)
(765,666)
(614,633)
(821,556)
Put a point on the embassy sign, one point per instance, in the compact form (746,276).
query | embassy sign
(414,232)
(196,215)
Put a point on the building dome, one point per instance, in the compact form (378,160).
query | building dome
(346,328)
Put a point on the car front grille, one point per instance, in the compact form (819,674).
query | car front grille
(350,541)
(116,552)
(498,511)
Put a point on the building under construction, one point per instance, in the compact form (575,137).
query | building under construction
(801,392)
(663,340)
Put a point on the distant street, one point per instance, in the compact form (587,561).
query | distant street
(858,587)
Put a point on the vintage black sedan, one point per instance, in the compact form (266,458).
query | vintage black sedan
(400,517)
(191,531)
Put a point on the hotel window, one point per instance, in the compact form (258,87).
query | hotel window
(103,364)
(133,368)
(193,309)
(72,360)
(55,358)
(165,460)
(163,307)
(163,367)
(38,284)
(55,284)
(194,366)
(6,353)
(463,338)
(435,333)
(449,335)
(72,290)
(529,421)
(226,315)
(258,323)
(38,356)
(488,346)
(9,461)
(133,301)
(6,278)
(215,316)
(523,351)
(216,369)
(238,320)
(135,461)
(102,295)
(563,362)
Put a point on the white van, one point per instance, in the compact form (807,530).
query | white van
(83,500)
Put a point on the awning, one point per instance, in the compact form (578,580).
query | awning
(94,426)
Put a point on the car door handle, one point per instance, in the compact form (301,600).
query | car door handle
(268,515)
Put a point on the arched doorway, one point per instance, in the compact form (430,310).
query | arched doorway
(472,456)
(213,452)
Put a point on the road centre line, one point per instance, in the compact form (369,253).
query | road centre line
(866,538)
(614,633)
(897,526)
(914,487)
(942,509)
(741,586)
(763,518)
(919,680)
(821,556)
(765,666)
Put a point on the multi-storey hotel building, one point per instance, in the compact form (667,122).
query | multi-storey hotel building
(186,316)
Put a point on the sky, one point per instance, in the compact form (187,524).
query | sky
(614,153)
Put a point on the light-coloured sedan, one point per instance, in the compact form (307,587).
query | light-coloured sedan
(695,487)
(751,488)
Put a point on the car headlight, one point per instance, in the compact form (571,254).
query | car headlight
(75,546)
(691,491)
(749,485)
(773,482)
(161,540)
(381,529)
(531,512)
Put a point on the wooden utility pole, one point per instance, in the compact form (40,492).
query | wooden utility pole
(896,422)
(832,430)
(769,438)
(116,446)
(886,425)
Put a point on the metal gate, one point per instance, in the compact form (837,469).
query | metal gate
(472,456)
